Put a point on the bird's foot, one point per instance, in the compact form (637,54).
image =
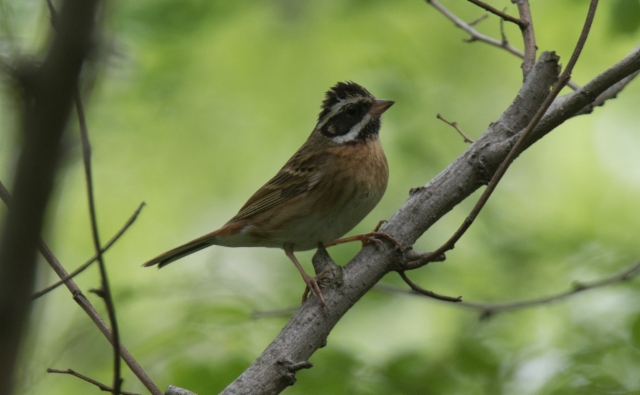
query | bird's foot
(314,287)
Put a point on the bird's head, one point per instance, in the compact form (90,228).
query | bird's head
(350,114)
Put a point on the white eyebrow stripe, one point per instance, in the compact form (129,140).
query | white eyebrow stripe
(337,107)
(354,131)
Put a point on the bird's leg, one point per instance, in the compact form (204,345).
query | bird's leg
(312,282)
(366,238)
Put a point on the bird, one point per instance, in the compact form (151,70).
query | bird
(322,192)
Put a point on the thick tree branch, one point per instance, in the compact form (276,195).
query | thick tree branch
(606,85)
(48,96)
(172,390)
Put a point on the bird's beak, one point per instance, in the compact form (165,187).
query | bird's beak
(380,106)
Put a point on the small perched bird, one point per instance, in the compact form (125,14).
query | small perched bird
(327,187)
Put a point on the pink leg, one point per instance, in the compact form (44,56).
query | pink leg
(312,282)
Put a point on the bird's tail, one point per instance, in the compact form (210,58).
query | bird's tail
(182,251)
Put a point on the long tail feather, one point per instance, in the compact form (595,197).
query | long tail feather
(223,236)
(181,251)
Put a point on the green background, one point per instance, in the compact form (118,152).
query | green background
(197,103)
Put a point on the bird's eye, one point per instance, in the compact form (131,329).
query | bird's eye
(351,109)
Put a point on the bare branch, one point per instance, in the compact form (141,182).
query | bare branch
(506,17)
(475,35)
(98,384)
(455,125)
(609,83)
(478,20)
(520,143)
(106,290)
(88,308)
(6,198)
(610,93)
(503,36)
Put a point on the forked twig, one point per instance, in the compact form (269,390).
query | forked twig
(98,384)
(477,36)
(6,197)
(88,263)
(88,308)
(466,138)
(520,143)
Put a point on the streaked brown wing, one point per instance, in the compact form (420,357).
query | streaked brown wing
(296,177)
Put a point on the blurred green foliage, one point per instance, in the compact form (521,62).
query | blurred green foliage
(197,103)
(625,16)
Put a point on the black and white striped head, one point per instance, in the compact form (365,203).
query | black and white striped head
(350,114)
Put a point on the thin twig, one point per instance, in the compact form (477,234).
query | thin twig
(106,290)
(488,309)
(428,293)
(517,148)
(455,125)
(98,384)
(504,16)
(503,36)
(88,263)
(528,37)
(478,20)
(88,308)
(477,36)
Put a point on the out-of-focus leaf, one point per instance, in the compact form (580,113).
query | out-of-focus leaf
(625,16)
(635,331)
